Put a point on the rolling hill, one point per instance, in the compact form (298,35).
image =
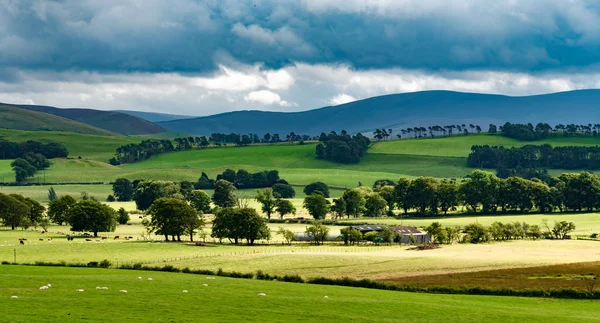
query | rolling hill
(405,110)
(155,116)
(117,122)
(21,119)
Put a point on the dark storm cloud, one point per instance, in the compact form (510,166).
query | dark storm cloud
(188,36)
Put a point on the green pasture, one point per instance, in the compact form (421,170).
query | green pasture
(100,148)
(460,146)
(231,300)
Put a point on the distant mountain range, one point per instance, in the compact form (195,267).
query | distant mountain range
(394,111)
(398,111)
(116,122)
(155,116)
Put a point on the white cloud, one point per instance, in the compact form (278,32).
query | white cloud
(248,87)
(268,98)
(341,99)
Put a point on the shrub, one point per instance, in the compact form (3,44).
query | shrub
(110,198)
(285,191)
(105,263)
(92,264)
(317,186)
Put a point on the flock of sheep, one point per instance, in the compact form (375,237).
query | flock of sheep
(46,287)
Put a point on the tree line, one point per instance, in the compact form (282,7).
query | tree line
(535,157)
(528,132)
(13,150)
(342,148)
(28,165)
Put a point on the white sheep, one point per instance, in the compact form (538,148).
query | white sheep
(98,287)
(149,278)
(139,277)
(79,290)
(326,296)
(43,287)
(205,285)
(185,291)
(262,294)
(49,285)
(14,297)
(123,291)
(105,288)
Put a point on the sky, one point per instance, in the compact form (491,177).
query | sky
(199,58)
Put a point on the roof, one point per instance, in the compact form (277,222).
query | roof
(407,230)
(369,227)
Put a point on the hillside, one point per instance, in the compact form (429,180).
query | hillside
(405,110)
(99,148)
(117,122)
(439,157)
(20,119)
(155,116)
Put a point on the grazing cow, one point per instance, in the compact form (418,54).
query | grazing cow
(116,237)
(104,238)
(49,239)
(41,239)
(88,239)
(22,242)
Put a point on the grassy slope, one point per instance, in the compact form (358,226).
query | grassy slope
(460,146)
(440,157)
(231,300)
(15,118)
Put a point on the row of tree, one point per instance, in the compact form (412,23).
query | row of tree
(486,192)
(530,132)
(12,150)
(535,157)
(342,148)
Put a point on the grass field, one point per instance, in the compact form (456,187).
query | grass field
(230,300)
(366,261)
(439,157)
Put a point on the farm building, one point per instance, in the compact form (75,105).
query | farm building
(368,228)
(406,232)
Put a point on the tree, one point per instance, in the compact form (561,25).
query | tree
(317,186)
(36,210)
(148,191)
(200,201)
(493,128)
(285,207)
(51,194)
(401,194)
(92,216)
(447,195)
(481,189)
(422,193)
(122,216)
(123,190)
(562,229)
(241,223)
(58,210)
(434,230)
(476,233)
(375,205)
(223,195)
(288,235)
(387,192)
(355,201)
(267,200)
(317,205)
(350,235)
(13,212)
(204,182)
(285,191)
(317,232)
(338,208)
(173,217)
